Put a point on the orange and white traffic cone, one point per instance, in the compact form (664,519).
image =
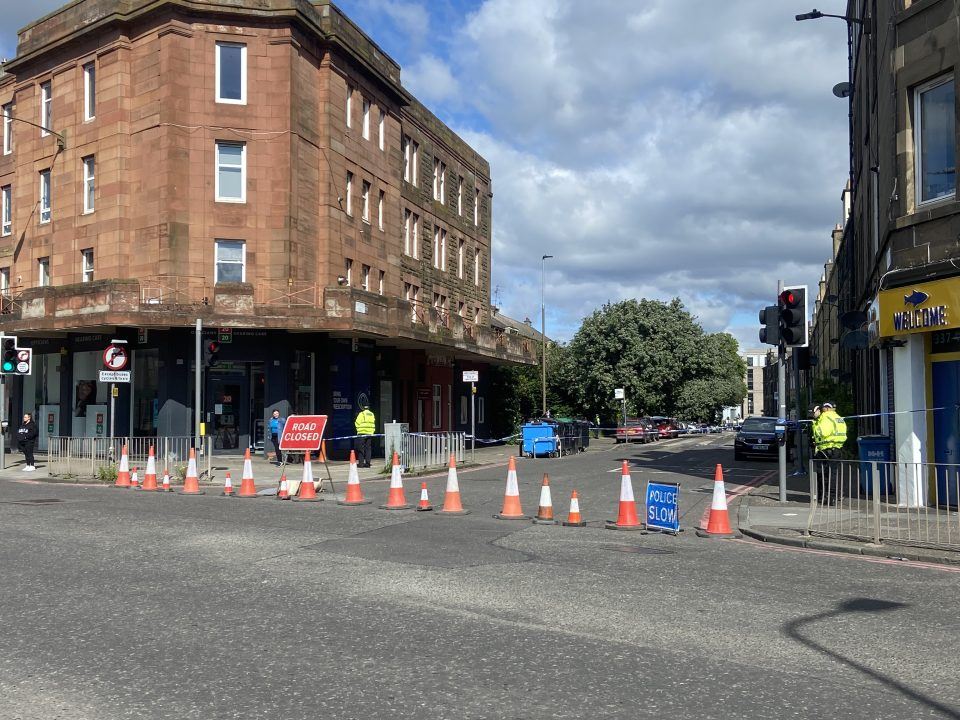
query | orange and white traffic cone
(451,497)
(511,497)
(718,524)
(424,505)
(191,483)
(545,509)
(135,480)
(354,494)
(396,499)
(123,472)
(307,491)
(284,492)
(627,517)
(150,476)
(247,487)
(166,481)
(573,517)
(227,486)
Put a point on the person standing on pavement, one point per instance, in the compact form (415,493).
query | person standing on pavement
(276,427)
(366,425)
(829,436)
(27,440)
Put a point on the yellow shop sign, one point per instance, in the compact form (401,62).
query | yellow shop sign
(920,308)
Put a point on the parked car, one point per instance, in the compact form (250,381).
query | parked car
(666,426)
(758,437)
(632,431)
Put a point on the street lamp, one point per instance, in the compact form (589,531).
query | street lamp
(543,333)
(816,15)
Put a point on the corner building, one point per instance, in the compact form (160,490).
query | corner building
(257,165)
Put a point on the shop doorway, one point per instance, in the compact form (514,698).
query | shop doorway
(233,407)
(946,427)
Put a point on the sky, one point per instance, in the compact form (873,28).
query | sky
(655,148)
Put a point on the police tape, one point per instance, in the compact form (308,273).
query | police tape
(886,414)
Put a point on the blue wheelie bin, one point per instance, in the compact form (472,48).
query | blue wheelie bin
(538,438)
(875,448)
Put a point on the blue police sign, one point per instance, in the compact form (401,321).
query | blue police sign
(663,507)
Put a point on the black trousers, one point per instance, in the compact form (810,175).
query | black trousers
(28,453)
(275,439)
(828,479)
(363,450)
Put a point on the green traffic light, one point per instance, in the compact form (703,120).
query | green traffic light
(7,366)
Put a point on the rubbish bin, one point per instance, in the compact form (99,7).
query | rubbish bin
(875,448)
(539,438)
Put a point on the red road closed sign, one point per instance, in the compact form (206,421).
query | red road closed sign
(303,432)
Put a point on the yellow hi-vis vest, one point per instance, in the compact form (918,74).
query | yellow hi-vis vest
(366,423)
(829,430)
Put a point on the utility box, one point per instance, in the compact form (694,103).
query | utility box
(393,442)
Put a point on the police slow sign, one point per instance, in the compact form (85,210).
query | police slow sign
(663,500)
(303,432)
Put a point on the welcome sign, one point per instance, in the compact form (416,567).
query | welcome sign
(920,308)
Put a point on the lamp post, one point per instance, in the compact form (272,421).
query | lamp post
(816,15)
(543,332)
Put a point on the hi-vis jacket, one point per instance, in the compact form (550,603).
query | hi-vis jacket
(829,430)
(366,423)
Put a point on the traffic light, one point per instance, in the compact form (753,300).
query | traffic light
(770,325)
(793,316)
(212,353)
(8,355)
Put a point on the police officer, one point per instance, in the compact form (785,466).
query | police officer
(366,425)
(829,436)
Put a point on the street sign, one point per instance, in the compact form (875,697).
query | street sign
(115,357)
(618,394)
(471,376)
(303,432)
(663,501)
(115,376)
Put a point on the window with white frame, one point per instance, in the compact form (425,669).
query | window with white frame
(349,108)
(935,140)
(86,265)
(231,185)
(411,293)
(407,149)
(476,266)
(443,249)
(460,250)
(460,195)
(231,261)
(380,282)
(6,210)
(44,196)
(365,201)
(437,250)
(231,71)
(350,193)
(88,184)
(89,91)
(382,130)
(462,309)
(439,180)
(8,128)
(46,108)
(5,280)
(415,237)
(43,271)
(380,199)
(365,277)
(437,413)
(348,271)
(407,218)
(366,119)
(414,163)
(476,207)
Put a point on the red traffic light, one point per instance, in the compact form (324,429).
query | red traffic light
(789,299)
(213,346)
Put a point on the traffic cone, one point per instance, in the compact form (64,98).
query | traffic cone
(135,480)
(424,505)
(284,492)
(545,509)
(718,524)
(307,492)
(166,481)
(396,499)
(511,497)
(247,487)
(227,486)
(573,517)
(451,497)
(354,494)
(627,518)
(123,472)
(191,483)
(150,476)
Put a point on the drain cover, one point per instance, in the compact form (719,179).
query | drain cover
(636,549)
(36,501)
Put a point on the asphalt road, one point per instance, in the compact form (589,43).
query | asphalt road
(118,604)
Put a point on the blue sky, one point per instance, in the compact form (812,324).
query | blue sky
(656,148)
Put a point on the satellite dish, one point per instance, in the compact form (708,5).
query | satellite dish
(853,320)
(854,340)
(842,89)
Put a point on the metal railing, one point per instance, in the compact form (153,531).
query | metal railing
(289,293)
(85,456)
(165,290)
(419,451)
(908,503)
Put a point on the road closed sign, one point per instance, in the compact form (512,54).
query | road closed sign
(303,432)
(663,507)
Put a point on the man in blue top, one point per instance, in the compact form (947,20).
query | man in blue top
(276,427)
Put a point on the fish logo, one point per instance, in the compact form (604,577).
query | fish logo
(915,298)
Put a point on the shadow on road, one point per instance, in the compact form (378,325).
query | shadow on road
(862,605)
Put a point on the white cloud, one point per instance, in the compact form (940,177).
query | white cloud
(430,81)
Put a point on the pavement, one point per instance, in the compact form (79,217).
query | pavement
(153,606)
